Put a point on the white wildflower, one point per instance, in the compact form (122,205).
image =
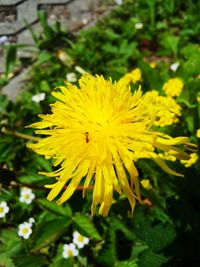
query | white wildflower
(69,251)
(26,196)
(174,66)
(71,77)
(3,39)
(80,70)
(79,240)
(31,220)
(24,230)
(139,26)
(39,97)
(85,21)
(119,2)
(3,209)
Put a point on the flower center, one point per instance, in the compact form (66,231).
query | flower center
(26,196)
(25,230)
(80,238)
(70,253)
(1,209)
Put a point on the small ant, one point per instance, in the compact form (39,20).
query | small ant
(87,137)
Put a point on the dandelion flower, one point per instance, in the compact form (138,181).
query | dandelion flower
(146,184)
(165,107)
(96,133)
(132,77)
(4,209)
(79,240)
(24,230)
(173,87)
(191,161)
(26,195)
(69,251)
(198,133)
(153,64)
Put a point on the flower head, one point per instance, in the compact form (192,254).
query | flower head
(4,209)
(3,39)
(24,230)
(192,160)
(26,195)
(198,133)
(69,251)
(119,2)
(71,77)
(165,107)
(153,64)
(146,184)
(173,87)
(38,98)
(31,220)
(139,26)
(174,66)
(96,133)
(79,240)
(133,76)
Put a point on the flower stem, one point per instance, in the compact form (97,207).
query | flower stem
(25,136)
(21,135)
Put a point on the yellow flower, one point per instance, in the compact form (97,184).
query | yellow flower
(173,87)
(153,64)
(198,99)
(146,184)
(167,156)
(166,109)
(95,133)
(133,76)
(198,133)
(188,163)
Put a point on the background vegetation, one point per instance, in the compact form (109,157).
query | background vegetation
(165,231)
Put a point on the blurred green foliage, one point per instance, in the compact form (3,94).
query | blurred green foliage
(163,233)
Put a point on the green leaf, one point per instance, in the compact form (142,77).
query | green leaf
(30,261)
(43,20)
(45,164)
(48,232)
(43,57)
(191,66)
(156,237)
(85,226)
(62,262)
(63,210)
(151,259)
(10,59)
(170,43)
(3,103)
(116,224)
(33,178)
(44,86)
(129,263)
(11,242)
(108,256)
(6,261)
(59,261)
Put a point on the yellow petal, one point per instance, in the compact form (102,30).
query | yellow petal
(166,168)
